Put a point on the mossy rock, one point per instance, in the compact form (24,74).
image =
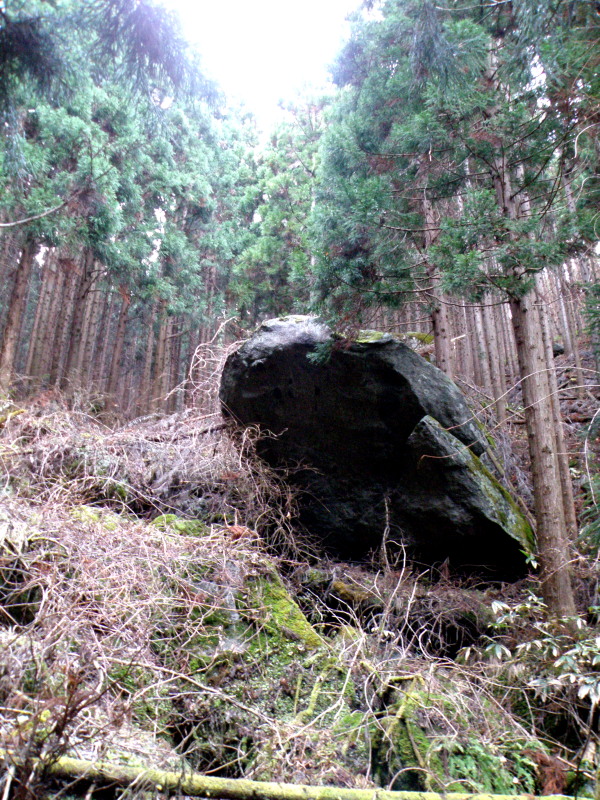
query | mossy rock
(505,507)
(483,767)
(282,671)
(188,527)
(90,515)
(402,750)
(148,711)
(489,529)
(373,337)
(17,536)
(423,740)
(279,614)
(422,338)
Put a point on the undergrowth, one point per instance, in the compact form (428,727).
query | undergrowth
(156,611)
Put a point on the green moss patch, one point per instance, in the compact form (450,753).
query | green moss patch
(372,337)
(89,515)
(188,527)
(279,614)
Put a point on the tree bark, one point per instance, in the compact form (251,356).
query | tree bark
(72,375)
(145,398)
(553,550)
(175,383)
(89,336)
(64,320)
(439,313)
(562,458)
(481,349)
(16,309)
(160,368)
(552,547)
(471,362)
(49,338)
(115,364)
(99,375)
(496,369)
(10,247)
(41,312)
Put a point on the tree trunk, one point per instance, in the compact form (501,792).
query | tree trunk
(477,376)
(565,327)
(72,374)
(89,336)
(562,456)
(16,309)
(46,293)
(115,364)
(496,371)
(64,321)
(176,399)
(439,313)
(471,358)
(481,349)
(498,320)
(552,547)
(160,365)
(50,326)
(99,375)
(512,365)
(145,397)
(10,248)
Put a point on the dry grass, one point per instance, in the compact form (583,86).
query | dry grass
(87,594)
(101,611)
(118,634)
(185,464)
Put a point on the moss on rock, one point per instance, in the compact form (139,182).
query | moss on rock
(492,500)
(504,506)
(188,527)
(279,614)
(89,515)
(373,337)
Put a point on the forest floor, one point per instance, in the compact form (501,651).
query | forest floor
(158,611)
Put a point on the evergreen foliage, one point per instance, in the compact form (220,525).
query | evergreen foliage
(433,106)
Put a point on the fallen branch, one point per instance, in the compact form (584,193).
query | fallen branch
(196,785)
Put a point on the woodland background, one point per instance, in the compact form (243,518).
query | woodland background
(454,172)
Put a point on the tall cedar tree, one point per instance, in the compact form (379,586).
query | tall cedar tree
(440,167)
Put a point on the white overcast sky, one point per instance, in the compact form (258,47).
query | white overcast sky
(263,51)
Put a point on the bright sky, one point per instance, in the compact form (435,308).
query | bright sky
(263,51)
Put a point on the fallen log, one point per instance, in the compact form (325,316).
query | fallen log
(197,785)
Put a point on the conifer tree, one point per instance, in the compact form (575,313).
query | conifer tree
(439,173)
(273,274)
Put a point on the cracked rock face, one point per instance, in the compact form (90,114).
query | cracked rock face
(378,442)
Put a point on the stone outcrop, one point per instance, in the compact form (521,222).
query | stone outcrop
(379,442)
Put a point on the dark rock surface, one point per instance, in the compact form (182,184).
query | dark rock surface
(379,441)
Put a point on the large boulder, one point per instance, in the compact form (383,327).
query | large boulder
(379,442)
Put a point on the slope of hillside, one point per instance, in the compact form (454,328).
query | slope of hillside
(157,612)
